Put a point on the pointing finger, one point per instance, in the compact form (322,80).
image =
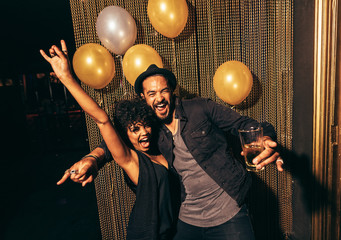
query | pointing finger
(64,178)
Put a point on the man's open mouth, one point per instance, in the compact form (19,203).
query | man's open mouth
(161,107)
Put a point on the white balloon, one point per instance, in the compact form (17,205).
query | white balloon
(116,29)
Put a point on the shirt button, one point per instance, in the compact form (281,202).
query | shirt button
(203,132)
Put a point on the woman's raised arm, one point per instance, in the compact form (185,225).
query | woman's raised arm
(123,155)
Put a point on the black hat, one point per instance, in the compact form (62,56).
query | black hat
(154,70)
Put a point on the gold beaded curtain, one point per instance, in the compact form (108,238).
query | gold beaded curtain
(255,32)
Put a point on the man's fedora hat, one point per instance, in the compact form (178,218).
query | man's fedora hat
(154,70)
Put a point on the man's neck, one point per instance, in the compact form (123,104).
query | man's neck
(172,126)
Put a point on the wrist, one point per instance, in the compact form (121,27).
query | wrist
(67,79)
(96,159)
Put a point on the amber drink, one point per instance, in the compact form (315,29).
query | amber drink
(252,143)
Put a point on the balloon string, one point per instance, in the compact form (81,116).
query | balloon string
(104,106)
(174,62)
(85,15)
(174,56)
(123,77)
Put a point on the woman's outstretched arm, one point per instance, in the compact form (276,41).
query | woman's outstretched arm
(123,155)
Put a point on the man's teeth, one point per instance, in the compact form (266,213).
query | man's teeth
(161,105)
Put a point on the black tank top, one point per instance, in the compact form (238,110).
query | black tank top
(166,194)
(165,205)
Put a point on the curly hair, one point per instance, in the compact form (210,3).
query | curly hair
(130,112)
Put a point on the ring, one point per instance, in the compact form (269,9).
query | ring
(73,171)
(280,160)
(64,51)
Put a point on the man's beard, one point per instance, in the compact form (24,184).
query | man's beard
(168,119)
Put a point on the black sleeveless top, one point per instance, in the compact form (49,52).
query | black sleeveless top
(155,210)
(165,204)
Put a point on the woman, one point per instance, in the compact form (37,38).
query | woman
(133,149)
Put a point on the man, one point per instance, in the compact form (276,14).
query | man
(193,140)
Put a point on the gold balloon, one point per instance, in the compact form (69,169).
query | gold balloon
(137,59)
(94,65)
(168,17)
(232,82)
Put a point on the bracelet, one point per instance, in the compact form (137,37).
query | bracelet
(93,156)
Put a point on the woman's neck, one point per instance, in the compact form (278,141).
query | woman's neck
(153,151)
(155,156)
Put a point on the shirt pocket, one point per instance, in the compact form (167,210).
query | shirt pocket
(203,138)
(201,130)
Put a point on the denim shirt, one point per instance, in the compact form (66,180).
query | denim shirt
(203,127)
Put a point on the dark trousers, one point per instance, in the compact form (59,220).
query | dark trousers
(237,228)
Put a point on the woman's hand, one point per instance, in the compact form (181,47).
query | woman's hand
(83,171)
(59,62)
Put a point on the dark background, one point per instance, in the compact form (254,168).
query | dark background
(26,27)
(41,134)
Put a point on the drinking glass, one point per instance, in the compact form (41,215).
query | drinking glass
(252,143)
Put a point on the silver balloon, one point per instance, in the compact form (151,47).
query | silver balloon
(116,29)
